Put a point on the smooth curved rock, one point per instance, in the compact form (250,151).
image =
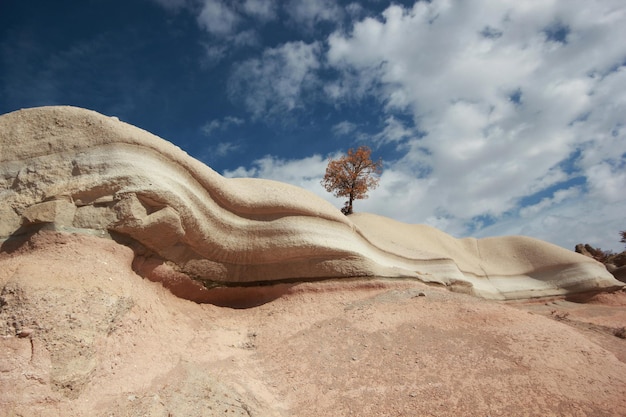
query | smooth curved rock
(76,169)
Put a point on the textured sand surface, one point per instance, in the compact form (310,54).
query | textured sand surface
(72,169)
(98,340)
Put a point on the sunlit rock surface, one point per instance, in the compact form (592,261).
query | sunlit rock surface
(79,171)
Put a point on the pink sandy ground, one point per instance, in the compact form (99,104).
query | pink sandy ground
(99,340)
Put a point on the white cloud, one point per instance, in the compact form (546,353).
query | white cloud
(213,152)
(245,38)
(221,124)
(394,131)
(558,197)
(220,149)
(354,9)
(343,128)
(231,120)
(311,12)
(232,24)
(607,183)
(502,104)
(214,53)
(400,195)
(211,126)
(264,10)
(274,83)
(224,148)
(217,18)
(507,99)
(578,219)
(566,218)
(306,173)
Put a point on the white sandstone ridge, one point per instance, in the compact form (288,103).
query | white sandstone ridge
(76,170)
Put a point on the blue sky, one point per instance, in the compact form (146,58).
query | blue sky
(492,116)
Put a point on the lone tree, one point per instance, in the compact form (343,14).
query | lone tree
(352,176)
(623,235)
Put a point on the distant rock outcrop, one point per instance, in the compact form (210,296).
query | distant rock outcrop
(75,170)
(615,263)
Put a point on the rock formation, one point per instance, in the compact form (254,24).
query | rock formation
(615,263)
(82,335)
(75,170)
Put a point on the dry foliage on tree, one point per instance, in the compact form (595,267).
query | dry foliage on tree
(352,176)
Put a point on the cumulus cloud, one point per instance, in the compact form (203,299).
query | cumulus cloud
(607,182)
(274,83)
(488,104)
(503,97)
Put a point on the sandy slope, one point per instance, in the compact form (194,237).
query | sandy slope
(100,340)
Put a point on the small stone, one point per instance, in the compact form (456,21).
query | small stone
(25,332)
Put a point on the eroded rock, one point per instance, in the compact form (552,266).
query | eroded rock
(74,169)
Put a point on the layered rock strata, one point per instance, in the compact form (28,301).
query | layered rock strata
(79,171)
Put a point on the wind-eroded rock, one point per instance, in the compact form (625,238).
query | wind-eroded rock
(72,169)
(615,263)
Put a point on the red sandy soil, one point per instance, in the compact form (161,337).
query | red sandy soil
(82,335)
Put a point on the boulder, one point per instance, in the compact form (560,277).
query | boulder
(58,212)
